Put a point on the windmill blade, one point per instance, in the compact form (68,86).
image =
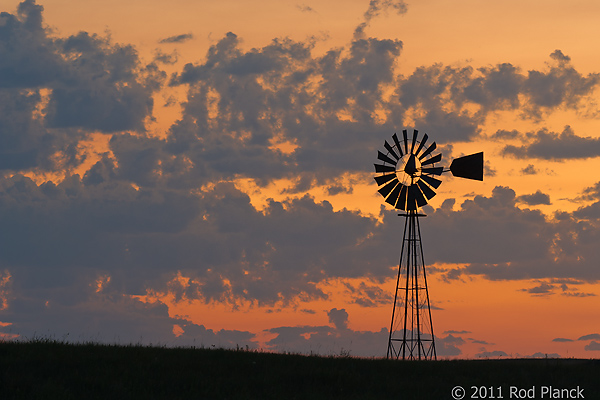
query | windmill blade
(391,150)
(421,144)
(414,140)
(421,201)
(432,160)
(427,191)
(429,150)
(470,167)
(385,158)
(401,204)
(384,168)
(415,198)
(397,142)
(384,178)
(432,170)
(394,195)
(405,134)
(434,183)
(385,190)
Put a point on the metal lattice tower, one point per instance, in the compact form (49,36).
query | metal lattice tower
(411,329)
(407,181)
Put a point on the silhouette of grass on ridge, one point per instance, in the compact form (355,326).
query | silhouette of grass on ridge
(50,369)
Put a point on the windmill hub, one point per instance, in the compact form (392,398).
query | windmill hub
(408,169)
(412,166)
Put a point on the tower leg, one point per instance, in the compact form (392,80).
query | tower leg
(411,330)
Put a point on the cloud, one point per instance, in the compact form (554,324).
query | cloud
(367,295)
(592,346)
(534,199)
(449,345)
(325,340)
(543,355)
(376,7)
(84,314)
(55,90)
(341,340)
(506,242)
(562,340)
(560,86)
(491,354)
(339,318)
(305,8)
(28,58)
(542,289)
(529,170)
(184,37)
(547,145)
(106,90)
(303,104)
(590,336)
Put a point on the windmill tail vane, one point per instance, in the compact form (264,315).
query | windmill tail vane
(408,176)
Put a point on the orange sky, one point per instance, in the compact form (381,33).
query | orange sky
(460,34)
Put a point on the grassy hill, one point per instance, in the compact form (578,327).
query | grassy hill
(53,370)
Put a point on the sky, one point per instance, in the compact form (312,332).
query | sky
(197,173)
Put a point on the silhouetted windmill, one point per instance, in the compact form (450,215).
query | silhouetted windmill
(407,182)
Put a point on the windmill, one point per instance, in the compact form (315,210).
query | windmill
(407,180)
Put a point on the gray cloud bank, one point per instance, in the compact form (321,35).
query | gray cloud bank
(153,207)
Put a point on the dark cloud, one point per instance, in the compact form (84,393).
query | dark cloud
(560,57)
(142,234)
(449,346)
(502,134)
(106,316)
(325,340)
(590,336)
(106,89)
(376,7)
(561,85)
(506,242)
(325,105)
(480,342)
(561,340)
(498,87)
(592,346)
(199,336)
(28,58)
(367,295)
(339,318)
(547,145)
(491,354)
(482,219)
(542,289)
(543,355)
(281,93)
(54,90)
(341,340)
(165,58)
(534,198)
(529,170)
(453,332)
(184,37)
